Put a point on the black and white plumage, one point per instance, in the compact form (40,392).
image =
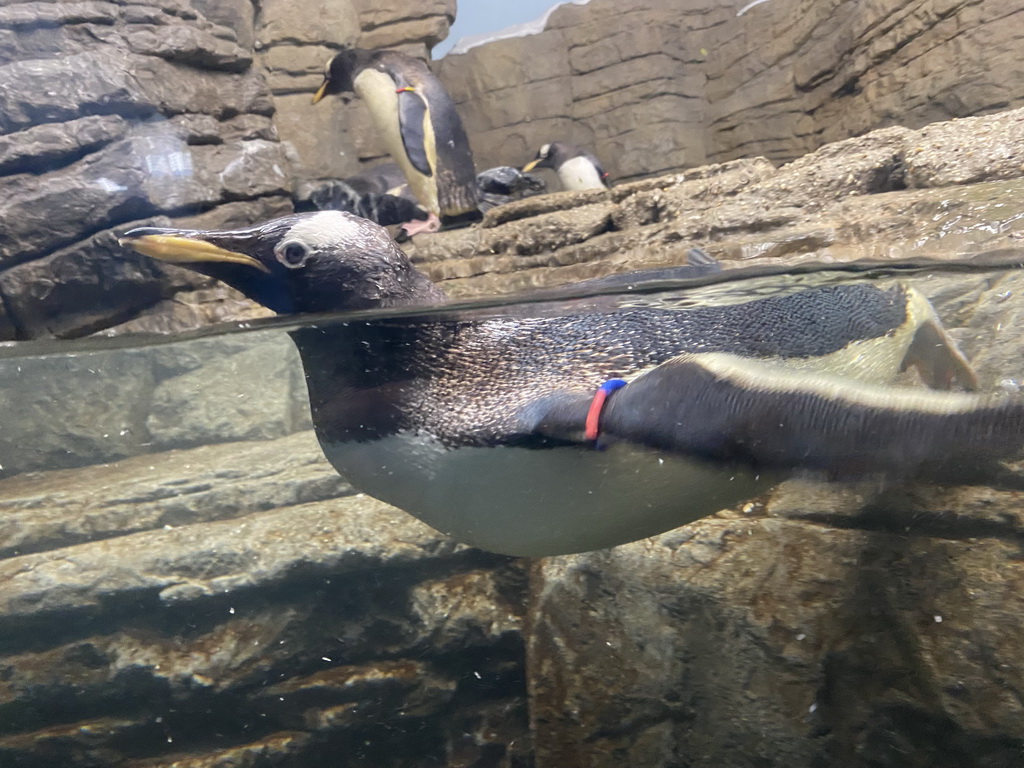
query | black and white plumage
(477,425)
(381,179)
(504,184)
(380,194)
(418,124)
(577,169)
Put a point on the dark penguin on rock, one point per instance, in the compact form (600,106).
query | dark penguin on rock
(419,126)
(504,184)
(382,179)
(576,168)
(380,194)
(559,429)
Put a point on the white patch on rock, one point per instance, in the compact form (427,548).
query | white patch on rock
(748,6)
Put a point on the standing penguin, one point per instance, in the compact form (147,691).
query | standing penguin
(419,125)
(576,168)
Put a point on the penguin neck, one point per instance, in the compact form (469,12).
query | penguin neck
(414,289)
(361,375)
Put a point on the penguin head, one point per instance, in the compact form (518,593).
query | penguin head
(340,72)
(311,262)
(545,158)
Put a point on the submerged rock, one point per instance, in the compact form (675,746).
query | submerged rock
(258,612)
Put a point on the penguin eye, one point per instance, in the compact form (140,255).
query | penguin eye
(292,254)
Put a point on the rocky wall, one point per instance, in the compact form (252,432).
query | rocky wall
(117,114)
(111,115)
(653,86)
(181,605)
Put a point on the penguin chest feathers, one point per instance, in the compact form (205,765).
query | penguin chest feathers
(536,502)
(579,173)
(379,92)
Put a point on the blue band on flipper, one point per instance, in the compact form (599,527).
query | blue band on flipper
(594,414)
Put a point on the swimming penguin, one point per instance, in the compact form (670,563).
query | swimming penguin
(576,168)
(562,430)
(420,128)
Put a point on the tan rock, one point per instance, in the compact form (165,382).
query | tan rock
(332,22)
(778,81)
(886,631)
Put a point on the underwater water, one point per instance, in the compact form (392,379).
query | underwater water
(187,581)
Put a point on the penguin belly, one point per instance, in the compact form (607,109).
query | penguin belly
(378,91)
(579,173)
(538,502)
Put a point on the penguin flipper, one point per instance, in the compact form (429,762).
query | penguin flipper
(938,360)
(769,417)
(412,117)
(601,172)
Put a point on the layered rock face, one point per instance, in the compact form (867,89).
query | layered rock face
(185,582)
(654,86)
(116,115)
(197,587)
(950,189)
(113,114)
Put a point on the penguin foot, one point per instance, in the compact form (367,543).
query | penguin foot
(416,226)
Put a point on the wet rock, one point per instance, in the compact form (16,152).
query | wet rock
(7,330)
(324,639)
(992,153)
(866,165)
(206,559)
(112,113)
(242,395)
(108,80)
(94,283)
(880,654)
(173,488)
(846,201)
(191,309)
(45,147)
(93,194)
(77,408)
(47,425)
(83,288)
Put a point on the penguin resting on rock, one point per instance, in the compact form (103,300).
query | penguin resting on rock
(380,194)
(564,430)
(576,168)
(419,126)
(504,184)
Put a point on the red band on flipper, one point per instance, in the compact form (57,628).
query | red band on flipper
(597,404)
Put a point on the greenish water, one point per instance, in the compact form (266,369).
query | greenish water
(184,576)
